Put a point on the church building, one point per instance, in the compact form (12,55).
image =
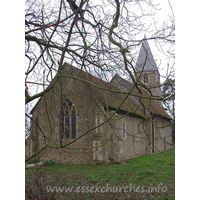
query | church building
(85,120)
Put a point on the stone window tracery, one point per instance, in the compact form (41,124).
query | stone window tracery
(67,127)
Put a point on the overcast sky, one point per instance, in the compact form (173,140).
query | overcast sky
(159,16)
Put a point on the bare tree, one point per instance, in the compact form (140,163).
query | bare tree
(100,38)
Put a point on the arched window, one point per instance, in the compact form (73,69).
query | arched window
(146,79)
(67,120)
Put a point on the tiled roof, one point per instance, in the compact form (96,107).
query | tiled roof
(145,61)
(112,97)
(150,104)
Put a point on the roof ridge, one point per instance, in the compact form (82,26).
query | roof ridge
(86,73)
(151,105)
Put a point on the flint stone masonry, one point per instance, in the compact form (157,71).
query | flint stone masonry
(137,128)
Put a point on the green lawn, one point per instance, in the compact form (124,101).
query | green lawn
(147,172)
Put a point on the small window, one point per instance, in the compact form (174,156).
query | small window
(146,79)
(156,130)
(164,143)
(98,122)
(96,146)
(124,129)
(137,134)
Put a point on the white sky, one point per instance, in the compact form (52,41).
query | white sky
(159,16)
(164,9)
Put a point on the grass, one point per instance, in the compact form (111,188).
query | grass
(148,171)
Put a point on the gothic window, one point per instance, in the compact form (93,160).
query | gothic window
(67,120)
(146,79)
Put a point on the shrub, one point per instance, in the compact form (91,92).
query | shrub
(47,162)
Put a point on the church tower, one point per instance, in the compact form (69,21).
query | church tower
(147,70)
